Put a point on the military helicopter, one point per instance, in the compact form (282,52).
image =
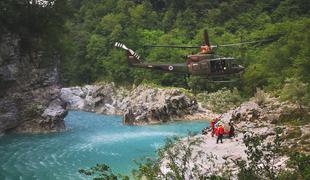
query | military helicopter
(204,64)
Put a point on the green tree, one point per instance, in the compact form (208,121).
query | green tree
(260,157)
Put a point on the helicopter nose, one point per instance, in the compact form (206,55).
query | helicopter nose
(240,68)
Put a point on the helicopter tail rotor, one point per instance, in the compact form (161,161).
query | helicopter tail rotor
(132,56)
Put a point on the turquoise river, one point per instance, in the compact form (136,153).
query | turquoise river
(90,139)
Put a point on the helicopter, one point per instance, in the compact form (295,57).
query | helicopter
(204,64)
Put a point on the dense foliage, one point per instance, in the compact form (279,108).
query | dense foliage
(39,24)
(85,40)
(98,24)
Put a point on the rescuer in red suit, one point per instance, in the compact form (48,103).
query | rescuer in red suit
(220,133)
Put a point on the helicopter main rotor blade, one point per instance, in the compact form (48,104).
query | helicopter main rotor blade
(172,46)
(239,44)
(208,43)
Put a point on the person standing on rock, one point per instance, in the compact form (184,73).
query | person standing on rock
(212,125)
(220,133)
(232,130)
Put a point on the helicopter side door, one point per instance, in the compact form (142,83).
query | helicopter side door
(193,68)
(204,67)
(199,68)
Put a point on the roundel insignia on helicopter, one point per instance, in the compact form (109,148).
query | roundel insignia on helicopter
(170,68)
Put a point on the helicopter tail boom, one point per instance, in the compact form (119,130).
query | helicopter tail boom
(133,57)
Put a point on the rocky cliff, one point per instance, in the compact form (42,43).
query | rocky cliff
(140,105)
(29,89)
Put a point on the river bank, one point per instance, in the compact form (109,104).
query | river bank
(250,119)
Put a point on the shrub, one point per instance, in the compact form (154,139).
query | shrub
(300,162)
(102,172)
(297,92)
(260,97)
(33,110)
(220,101)
(261,158)
(177,155)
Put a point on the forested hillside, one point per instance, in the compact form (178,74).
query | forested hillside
(96,25)
(84,31)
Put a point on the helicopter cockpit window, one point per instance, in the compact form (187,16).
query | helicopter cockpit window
(218,66)
(234,65)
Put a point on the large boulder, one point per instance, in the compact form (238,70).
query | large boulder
(143,104)
(261,119)
(153,105)
(248,111)
(103,98)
